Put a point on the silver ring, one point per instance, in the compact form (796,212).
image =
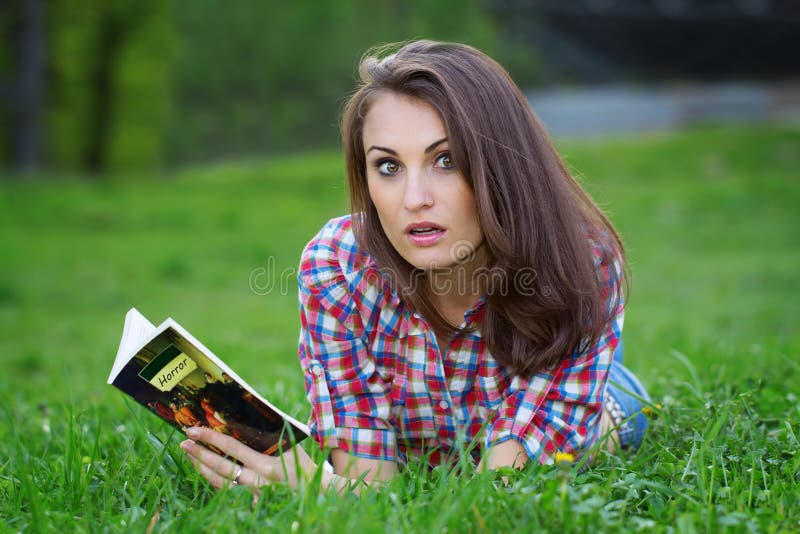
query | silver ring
(236,475)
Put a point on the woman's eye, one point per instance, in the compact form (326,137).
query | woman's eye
(388,167)
(444,161)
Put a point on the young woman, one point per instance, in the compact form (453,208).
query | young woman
(473,295)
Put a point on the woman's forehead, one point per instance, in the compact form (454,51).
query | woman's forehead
(395,119)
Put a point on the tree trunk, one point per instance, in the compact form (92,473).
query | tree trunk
(27,97)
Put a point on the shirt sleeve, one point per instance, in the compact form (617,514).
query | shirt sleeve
(350,403)
(558,410)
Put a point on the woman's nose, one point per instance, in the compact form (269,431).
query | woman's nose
(418,193)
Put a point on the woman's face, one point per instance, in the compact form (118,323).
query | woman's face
(425,205)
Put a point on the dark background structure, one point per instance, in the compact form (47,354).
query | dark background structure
(106,86)
(593,41)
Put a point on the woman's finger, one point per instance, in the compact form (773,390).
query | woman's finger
(241,475)
(220,465)
(214,478)
(252,478)
(261,469)
(221,471)
(227,444)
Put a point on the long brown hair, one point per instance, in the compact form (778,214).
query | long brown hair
(536,218)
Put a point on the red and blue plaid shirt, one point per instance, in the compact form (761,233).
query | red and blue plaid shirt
(380,386)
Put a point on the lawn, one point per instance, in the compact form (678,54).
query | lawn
(711,221)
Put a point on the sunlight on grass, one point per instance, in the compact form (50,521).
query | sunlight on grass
(711,222)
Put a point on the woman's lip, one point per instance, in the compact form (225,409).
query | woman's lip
(423,224)
(427,239)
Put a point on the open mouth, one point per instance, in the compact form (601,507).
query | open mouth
(425,231)
(423,228)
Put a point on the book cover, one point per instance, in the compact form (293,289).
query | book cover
(177,378)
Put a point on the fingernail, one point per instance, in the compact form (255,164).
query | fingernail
(186,445)
(192,432)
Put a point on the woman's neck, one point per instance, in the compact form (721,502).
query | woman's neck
(456,288)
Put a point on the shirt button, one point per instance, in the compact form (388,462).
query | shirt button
(443,404)
(317,370)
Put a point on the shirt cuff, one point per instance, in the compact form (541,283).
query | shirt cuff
(505,429)
(376,444)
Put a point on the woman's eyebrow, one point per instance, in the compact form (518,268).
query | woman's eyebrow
(435,144)
(375,147)
(428,149)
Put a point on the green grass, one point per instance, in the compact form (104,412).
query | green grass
(711,219)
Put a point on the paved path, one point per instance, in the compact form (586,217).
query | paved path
(621,109)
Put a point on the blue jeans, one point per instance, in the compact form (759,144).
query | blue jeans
(629,398)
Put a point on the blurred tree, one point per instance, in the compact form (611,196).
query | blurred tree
(22,65)
(7,68)
(132,85)
(140,87)
(5,84)
(74,28)
(260,76)
(110,62)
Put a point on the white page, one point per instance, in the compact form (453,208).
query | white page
(135,335)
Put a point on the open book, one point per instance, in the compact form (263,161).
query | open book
(177,378)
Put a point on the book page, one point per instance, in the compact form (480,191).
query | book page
(181,381)
(136,332)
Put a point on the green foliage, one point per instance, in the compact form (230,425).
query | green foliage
(134,85)
(257,77)
(73,33)
(111,69)
(141,82)
(710,222)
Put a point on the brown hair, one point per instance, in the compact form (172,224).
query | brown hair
(535,217)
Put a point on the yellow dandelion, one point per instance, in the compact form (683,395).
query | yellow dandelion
(650,410)
(564,458)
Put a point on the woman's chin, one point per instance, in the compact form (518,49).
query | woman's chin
(440,262)
(429,262)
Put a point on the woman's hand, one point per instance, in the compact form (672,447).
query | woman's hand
(256,469)
(507,454)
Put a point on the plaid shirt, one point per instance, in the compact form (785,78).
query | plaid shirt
(380,386)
